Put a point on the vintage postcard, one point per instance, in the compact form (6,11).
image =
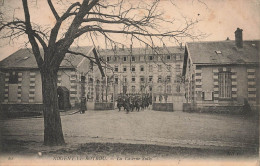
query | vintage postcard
(129,82)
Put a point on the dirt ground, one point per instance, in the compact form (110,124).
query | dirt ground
(151,134)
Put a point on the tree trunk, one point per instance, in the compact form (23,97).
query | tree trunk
(53,134)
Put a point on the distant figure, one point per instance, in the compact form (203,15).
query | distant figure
(246,107)
(83,106)
(160,98)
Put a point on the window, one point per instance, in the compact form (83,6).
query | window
(142,88)
(224,79)
(133,78)
(169,88)
(178,78)
(150,88)
(13,78)
(178,57)
(142,68)
(168,57)
(133,58)
(142,78)
(133,68)
(108,59)
(198,67)
(160,89)
(116,80)
(159,79)
(168,78)
(218,52)
(150,58)
(124,68)
(124,78)
(178,68)
(159,68)
(28,57)
(90,80)
(150,68)
(125,58)
(150,78)
(178,88)
(133,89)
(116,68)
(169,67)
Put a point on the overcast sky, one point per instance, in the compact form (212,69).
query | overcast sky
(219,19)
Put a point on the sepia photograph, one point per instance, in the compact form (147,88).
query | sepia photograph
(129,82)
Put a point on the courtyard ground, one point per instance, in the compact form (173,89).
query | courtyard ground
(153,133)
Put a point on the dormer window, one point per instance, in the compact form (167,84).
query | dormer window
(218,52)
(25,58)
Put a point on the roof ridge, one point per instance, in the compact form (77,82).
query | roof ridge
(218,41)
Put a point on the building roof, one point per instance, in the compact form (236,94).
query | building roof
(140,51)
(223,52)
(25,59)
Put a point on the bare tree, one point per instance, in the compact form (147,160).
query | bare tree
(141,22)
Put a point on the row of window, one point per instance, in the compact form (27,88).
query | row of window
(142,79)
(142,58)
(160,89)
(142,68)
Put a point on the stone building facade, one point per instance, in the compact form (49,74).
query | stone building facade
(141,70)
(22,79)
(222,75)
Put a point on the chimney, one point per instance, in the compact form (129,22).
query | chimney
(239,38)
(227,38)
(123,47)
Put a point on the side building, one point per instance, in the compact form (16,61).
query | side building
(143,70)
(222,75)
(22,86)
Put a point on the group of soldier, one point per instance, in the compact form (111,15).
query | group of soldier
(131,102)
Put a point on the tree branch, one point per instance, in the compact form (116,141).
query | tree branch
(29,31)
(68,12)
(53,10)
(65,43)
(99,29)
(81,54)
